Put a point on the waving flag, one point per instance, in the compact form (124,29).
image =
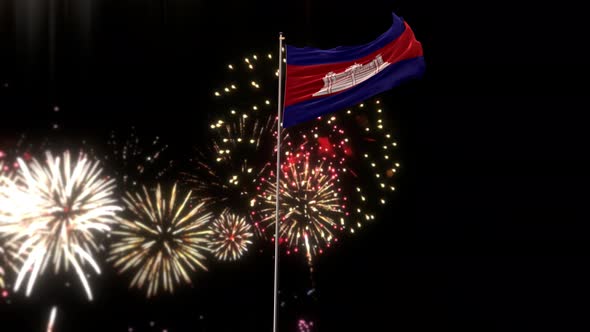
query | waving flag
(323,81)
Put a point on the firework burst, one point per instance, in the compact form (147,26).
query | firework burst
(356,144)
(1,275)
(160,239)
(243,131)
(230,236)
(7,251)
(227,170)
(56,209)
(312,207)
(7,170)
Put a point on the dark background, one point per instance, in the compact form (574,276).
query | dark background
(489,228)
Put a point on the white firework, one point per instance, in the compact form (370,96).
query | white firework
(161,239)
(56,209)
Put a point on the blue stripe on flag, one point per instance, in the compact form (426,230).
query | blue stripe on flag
(304,56)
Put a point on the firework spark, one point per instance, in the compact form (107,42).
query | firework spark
(161,239)
(23,146)
(135,159)
(230,236)
(56,209)
(311,209)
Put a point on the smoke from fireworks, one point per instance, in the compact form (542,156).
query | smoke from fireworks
(56,209)
(160,239)
(230,236)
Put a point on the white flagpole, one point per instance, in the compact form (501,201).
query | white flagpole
(278,176)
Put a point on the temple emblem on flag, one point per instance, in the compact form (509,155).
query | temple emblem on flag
(351,76)
(321,81)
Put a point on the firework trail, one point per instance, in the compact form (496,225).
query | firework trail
(230,236)
(160,239)
(56,209)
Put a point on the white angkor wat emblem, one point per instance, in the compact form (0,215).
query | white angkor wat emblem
(351,76)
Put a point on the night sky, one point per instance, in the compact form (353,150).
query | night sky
(487,230)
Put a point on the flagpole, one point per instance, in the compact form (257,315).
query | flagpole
(278,176)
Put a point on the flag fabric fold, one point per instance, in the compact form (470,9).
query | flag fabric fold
(323,81)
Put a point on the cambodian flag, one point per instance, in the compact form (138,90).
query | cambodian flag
(323,81)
